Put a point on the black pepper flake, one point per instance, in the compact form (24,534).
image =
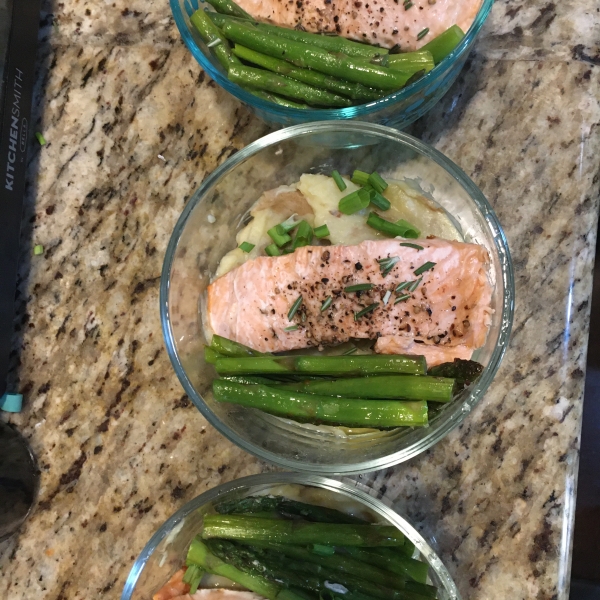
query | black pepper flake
(454,308)
(358,266)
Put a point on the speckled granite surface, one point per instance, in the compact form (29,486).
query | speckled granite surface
(119,445)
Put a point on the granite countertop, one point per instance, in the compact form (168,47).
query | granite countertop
(133,126)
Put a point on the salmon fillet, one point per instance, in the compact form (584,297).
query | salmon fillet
(173,588)
(383,22)
(449,309)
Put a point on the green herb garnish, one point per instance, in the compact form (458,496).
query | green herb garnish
(292,328)
(273,250)
(411,245)
(366,310)
(422,33)
(326,303)
(377,182)
(401,298)
(354,201)
(321,231)
(294,309)
(415,284)
(279,236)
(359,287)
(425,267)
(246,247)
(360,177)
(339,181)
(387,264)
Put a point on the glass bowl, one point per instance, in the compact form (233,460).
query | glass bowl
(206,231)
(396,110)
(165,553)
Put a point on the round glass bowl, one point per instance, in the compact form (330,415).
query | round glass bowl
(207,228)
(165,553)
(397,110)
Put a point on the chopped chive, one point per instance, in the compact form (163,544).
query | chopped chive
(246,247)
(40,138)
(351,351)
(401,298)
(303,317)
(410,245)
(422,33)
(387,264)
(377,182)
(410,231)
(381,202)
(425,267)
(273,250)
(326,303)
(408,5)
(386,298)
(289,224)
(38,249)
(395,49)
(294,309)
(403,285)
(304,235)
(354,201)
(414,285)
(401,228)
(339,181)
(279,236)
(292,328)
(321,231)
(360,177)
(366,310)
(359,287)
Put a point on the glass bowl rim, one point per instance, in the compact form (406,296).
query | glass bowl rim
(349,489)
(455,416)
(327,113)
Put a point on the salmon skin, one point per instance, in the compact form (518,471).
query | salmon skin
(449,309)
(383,22)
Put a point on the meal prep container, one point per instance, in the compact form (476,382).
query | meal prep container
(206,231)
(397,110)
(166,551)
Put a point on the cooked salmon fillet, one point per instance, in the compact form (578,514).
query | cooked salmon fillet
(173,588)
(383,22)
(449,309)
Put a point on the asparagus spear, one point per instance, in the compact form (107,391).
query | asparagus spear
(324,409)
(331,43)
(276,568)
(355,91)
(213,37)
(341,563)
(307,56)
(228,347)
(444,43)
(251,365)
(464,371)
(395,562)
(269,97)
(227,7)
(361,365)
(286,508)
(412,62)
(264,80)
(247,528)
(412,387)
(199,555)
